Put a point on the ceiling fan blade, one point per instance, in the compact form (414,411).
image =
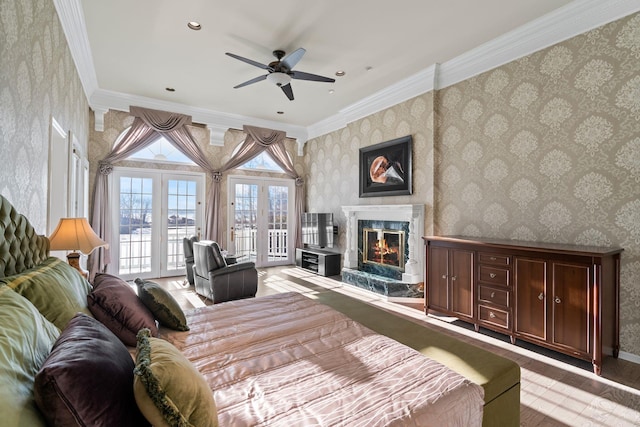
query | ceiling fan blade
(293,58)
(248,82)
(250,61)
(288,91)
(313,77)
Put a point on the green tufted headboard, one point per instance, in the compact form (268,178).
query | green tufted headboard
(21,247)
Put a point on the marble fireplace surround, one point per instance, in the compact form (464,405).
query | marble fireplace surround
(413,214)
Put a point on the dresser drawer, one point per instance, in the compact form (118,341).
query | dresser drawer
(494,275)
(494,317)
(495,259)
(494,296)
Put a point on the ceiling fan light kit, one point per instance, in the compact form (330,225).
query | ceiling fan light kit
(281,71)
(279,79)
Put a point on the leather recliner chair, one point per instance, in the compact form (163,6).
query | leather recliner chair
(218,281)
(187,245)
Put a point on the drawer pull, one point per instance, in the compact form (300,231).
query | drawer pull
(491,315)
(541,296)
(557,300)
(493,294)
(493,258)
(492,275)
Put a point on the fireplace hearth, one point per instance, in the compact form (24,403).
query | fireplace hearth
(384,251)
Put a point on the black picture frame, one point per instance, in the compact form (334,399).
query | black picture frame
(385,168)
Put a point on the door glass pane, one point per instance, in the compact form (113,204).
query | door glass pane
(245,226)
(181,222)
(277,223)
(136,197)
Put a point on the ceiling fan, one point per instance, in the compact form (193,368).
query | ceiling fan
(281,71)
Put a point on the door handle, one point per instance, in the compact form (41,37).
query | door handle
(541,296)
(493,294)
(232,234)
(557,300)
(492,275)
(444,276)
(453,278)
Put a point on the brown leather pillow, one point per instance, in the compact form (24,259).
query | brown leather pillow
(114,303)
(88,378)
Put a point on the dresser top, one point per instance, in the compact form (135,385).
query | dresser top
(488,243)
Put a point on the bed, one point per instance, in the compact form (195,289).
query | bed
(281,360)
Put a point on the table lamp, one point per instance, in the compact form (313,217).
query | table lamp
(75,234)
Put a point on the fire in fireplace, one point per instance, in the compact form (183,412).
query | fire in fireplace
(383,247)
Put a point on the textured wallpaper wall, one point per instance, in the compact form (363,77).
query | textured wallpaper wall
(331,161)
(544,148)
(548,148)
(38,79)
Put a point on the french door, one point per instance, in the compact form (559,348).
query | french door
(152,212)
(261,220)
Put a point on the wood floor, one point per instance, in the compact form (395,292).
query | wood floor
(556,390)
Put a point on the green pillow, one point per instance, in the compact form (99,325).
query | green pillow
(55,288)
(168,389)
(163,306)
(26,338)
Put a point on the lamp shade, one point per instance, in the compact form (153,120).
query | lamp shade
(75,234)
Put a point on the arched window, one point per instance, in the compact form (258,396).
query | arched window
(161,151)
(262,162)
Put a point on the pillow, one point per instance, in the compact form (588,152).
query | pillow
(163,306)
(169,390)
(87,379)
(56,289)
(26,338)
(116,305)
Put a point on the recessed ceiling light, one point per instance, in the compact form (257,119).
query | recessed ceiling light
(369,68)
(169,89)
(331,91)
(340,73)
(280,112)
(194,25)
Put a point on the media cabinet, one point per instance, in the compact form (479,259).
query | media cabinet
(563,297)
(320,261)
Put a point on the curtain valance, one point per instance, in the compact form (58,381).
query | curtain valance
(160,121)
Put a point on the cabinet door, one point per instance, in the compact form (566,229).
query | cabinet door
(437,281)
(531,297)
(461,280)
(570,306)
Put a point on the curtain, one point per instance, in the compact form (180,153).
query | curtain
(148,125)
(258,140)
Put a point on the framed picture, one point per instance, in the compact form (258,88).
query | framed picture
(385,168)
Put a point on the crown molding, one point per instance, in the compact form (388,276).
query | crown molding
(408,88)
(72,20)
(571,20)
(104,100)
(564,23)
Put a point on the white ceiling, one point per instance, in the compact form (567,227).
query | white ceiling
(128,52)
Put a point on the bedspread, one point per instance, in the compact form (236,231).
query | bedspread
(286,360)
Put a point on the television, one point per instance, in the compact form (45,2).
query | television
(317,230)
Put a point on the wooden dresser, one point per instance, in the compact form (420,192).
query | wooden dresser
(563,297)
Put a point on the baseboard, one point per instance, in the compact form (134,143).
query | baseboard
(630,357)
(404,300)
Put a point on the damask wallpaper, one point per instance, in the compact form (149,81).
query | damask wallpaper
(331,161)
(38,80)
(544,148)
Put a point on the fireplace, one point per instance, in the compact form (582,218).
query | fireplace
(385,252)
(383,247)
